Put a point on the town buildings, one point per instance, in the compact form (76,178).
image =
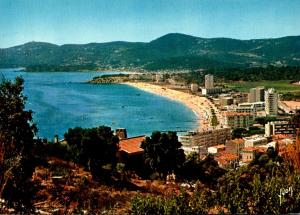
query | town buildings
(248,153)
(226,100)
(209,88)
(211,91)
(255,141)
(226,160)
(256,94)
(209,81)
(240,97)
(289,106)
(203,139)
(130,151)
(237,119)
(194,88)
(279,127)
(271,102)
(159,77)
(252,108)
(216,149)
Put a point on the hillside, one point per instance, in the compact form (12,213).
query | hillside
(167,52)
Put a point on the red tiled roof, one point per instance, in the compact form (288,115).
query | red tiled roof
(224,158)
(131,145)
(227,156)
(281,136)
(251,149)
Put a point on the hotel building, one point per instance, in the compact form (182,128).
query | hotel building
(271,102)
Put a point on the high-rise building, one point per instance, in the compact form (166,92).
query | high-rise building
(256,94)
(209,81)
(260,94)
(252,95)
(271,102)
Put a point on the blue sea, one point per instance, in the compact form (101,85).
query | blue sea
(62,100)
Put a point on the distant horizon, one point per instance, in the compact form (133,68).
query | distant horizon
(99,42)
(80,21)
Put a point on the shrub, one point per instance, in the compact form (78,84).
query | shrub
(180,204)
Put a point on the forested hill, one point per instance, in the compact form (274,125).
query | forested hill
(172,51)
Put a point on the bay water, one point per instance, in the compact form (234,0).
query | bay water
(62,100)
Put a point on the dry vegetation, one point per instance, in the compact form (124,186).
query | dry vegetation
(66,188)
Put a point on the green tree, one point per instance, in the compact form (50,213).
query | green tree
(265,120)
(74,139)
(192,169)
(295,119)
(174,204)
(93,147)
(238,133)
(255,189)
(163,153)
(206,170)
(214,120)
(16,144)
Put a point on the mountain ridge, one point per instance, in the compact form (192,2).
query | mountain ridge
(170,51)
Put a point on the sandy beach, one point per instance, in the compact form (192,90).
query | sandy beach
(200,105)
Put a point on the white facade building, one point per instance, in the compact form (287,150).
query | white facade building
(209,81)
(255,141)
(256,94)
(194,88)
(271,102)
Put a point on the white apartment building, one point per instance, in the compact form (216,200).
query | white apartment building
(279,127)
(252,108)
(211,91)
(194,88)
(209,81)
(271,102)
(206,138)
(238,120)
(255,141)
(256,94)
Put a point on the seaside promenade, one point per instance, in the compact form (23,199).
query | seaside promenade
(200,105)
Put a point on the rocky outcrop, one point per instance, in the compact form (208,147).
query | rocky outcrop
(109,79)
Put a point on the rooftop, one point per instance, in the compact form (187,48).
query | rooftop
(223,158)
(255,137)
(281,136)
(226,156)
(132,145)
(256,149)
(251,103)
(219,146)
(292,104)
(236,114)
(237,141)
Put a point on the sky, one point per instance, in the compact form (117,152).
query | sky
(85,21)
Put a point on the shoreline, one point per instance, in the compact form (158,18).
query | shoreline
(199,105)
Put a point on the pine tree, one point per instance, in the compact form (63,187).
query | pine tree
(16,143)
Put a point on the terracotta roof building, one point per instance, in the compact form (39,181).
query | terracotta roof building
(132,145)
(248,153)
(216,149)
(235,146)
(130,152)
(226,160)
